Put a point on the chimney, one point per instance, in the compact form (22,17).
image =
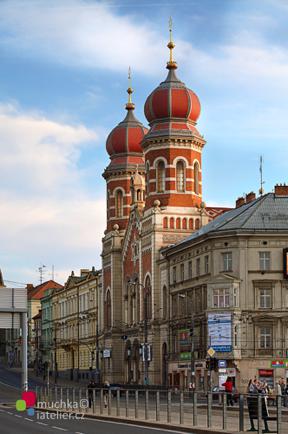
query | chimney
(250,197)
(281,190)
(239,202)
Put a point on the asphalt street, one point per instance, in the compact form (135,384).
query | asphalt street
(12,422)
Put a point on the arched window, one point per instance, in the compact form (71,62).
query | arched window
(160,173)
(184,223)
(107,309)
(165,222)
(119,203)
(147,177)
(197,224)
(196,178)
(178,223)
(147,299)
(171,223)
(191,224)
(165,303)
(139,196)
(180,176)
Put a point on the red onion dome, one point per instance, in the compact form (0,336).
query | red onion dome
(126,138)
(172,99)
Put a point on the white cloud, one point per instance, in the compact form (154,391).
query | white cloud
(79,33)
(37,152)
(45,214)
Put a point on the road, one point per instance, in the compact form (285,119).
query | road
(12,422)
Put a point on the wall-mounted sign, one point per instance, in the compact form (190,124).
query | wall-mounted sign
(185,355)
(222,363)
(280,363)
(106,354)
(220,331)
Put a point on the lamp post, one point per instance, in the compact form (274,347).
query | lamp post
(192,355)
(145,349)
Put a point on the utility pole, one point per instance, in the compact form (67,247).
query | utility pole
(78,335)
(97,346)
(192,361)
(146,379)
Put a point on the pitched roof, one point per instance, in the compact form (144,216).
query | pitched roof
(268,213)
(38,291)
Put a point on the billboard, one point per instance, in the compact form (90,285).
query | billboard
(220,332)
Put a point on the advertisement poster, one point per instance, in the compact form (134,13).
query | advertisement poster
(220,332)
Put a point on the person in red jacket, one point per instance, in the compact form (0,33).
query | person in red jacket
(229,389)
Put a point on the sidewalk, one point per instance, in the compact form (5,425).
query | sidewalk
(61,382)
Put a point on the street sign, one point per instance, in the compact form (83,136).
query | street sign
(211,352)
(222,363)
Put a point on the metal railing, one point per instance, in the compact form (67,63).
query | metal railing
(190,409)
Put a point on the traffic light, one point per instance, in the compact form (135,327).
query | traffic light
(213,364)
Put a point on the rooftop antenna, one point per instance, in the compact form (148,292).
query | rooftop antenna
(261,189)
(53,272)
(41,272)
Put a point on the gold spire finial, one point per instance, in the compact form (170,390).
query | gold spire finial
(129,105)
(171,64)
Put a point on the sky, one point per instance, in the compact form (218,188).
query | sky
(63,81)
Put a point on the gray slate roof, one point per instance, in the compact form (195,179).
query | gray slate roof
(267,213)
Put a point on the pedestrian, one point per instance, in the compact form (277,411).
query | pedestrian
(229,389)
(90,387)
(286,394)
(106,393)
(265,414)
(252,402)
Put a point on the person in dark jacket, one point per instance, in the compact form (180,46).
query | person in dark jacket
(90,387)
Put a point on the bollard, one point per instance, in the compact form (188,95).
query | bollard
(127,403)
(136,403)
(37,394)
(157,406)
(73,397)
(146,404)
(101,401)
(241,413)
(109,402)
(94,401)
(195,422)
(259,414)
(61,394)
(79,398)
(224,411)
(169,406)
(209,409)
(118,402)
(181,408)
(87,402)
(67,398)
(279,414)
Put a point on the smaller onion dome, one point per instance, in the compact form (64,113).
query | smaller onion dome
(127,136)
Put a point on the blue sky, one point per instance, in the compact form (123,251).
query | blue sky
(63,81)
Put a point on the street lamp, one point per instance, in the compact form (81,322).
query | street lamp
(192,355)
(146,292)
